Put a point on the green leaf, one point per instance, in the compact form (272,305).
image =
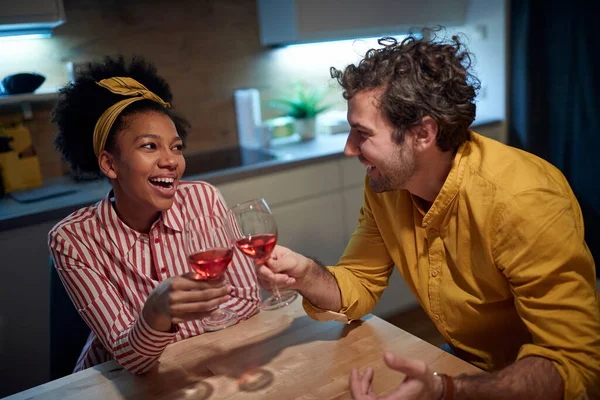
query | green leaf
(305,104)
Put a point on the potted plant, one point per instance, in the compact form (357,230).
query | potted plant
(304,108)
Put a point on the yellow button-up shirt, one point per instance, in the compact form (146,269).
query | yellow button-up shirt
(499,263)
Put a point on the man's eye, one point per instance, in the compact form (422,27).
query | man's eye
(148,146)
(178,147)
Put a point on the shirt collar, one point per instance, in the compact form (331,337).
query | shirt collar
(123,236)
(451,184)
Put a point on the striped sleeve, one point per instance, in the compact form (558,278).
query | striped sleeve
(130,340)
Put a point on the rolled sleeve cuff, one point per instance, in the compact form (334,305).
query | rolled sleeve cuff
(354,304)
(147,341)
(319,314)
(573,385)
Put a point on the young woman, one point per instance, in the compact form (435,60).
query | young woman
(122,259)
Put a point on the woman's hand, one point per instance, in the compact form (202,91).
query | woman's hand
(419,384)
(183,298)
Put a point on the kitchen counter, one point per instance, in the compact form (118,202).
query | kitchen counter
(14,214)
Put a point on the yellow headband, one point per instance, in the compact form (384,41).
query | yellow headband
(125,87)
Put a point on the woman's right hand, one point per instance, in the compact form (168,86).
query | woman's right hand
(183,298)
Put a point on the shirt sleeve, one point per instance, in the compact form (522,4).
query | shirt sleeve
(121,330)
(540,248)
(245,298)
(363,271)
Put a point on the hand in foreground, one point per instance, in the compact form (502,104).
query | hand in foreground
(284,269)
(183,298)
(419,384)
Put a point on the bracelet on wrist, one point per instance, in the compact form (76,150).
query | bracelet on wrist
(448,386)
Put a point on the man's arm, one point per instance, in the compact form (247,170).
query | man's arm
(539,247)
(320,288)
(530,378)
(352,287)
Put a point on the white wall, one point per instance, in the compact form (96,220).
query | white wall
(486,33)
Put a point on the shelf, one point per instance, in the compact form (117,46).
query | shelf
(40,95)
(25,100)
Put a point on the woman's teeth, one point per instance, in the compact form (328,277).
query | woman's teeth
(162,180)
(164,183)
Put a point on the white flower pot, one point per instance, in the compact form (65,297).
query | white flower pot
(306,128)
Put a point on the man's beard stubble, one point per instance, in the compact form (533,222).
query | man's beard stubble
(395,175)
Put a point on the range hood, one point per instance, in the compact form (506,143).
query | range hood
(284,22)
(25,17)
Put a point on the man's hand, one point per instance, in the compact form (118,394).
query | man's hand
(419,384)
(183,298)
(285,269)
(288,270)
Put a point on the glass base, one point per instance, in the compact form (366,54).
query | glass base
(219,320)
(275,302)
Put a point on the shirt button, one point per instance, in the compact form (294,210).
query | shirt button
(163,270)
(434,273)
(436,317)
(432,231)
(157,240)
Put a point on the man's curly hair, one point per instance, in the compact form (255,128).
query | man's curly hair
(420,77)
(82,102)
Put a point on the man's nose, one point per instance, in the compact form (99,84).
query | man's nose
(352,149)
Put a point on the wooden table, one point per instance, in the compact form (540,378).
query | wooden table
(279,355)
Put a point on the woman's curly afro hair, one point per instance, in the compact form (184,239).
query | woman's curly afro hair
(82,102)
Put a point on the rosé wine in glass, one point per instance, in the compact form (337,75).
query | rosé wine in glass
(258,247)
(209,248)
(210,264)
(255,233)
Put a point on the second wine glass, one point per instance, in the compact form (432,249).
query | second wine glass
(255,233)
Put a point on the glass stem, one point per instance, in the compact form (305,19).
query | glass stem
(276,292)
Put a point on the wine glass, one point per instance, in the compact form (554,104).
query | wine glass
(255,233)
(209,249)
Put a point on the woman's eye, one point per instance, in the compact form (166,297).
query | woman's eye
(178,147)
(149,146)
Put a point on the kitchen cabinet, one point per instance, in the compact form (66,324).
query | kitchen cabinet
(24,310)
(287,186)
(285,22)
(307,205)
(312,227)
(26,15)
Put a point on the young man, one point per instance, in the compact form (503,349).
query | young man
(489,238)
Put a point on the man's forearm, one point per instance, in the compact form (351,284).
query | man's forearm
(320,288)
(530,378)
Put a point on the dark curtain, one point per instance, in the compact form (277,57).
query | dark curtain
(554,95)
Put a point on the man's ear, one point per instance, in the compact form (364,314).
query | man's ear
(107,164)
(426,133)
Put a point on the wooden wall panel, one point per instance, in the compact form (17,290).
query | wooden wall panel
(206,49)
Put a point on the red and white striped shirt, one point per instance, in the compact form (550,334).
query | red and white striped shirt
(109,270)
